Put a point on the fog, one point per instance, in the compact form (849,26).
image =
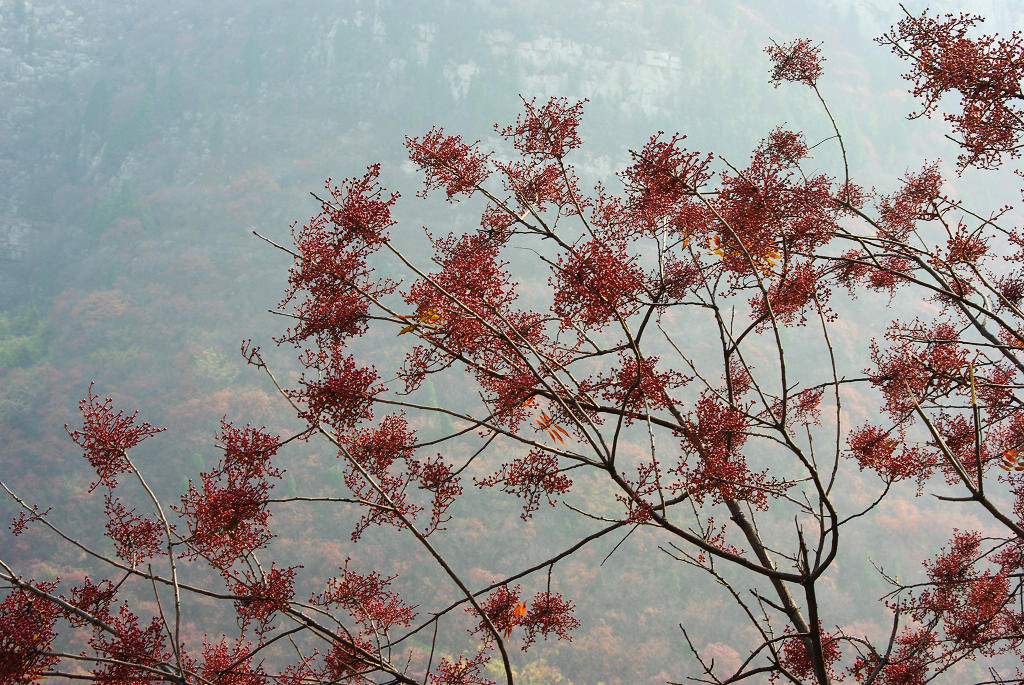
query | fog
(142,143)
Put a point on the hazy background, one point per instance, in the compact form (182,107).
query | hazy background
(141,142)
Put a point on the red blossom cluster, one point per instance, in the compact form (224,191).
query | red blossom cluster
(336,389)
(957,438)
(549,130)
(503,609)
(985,71)
(470,287)
(376,472)
(971,602)
(661,187)
(226,514)
(333,276)
(92,598)
(680,279)
(528,478)
(471,298)
(738,380)
(771,211)
(368,600)
(106,437)
(963,610)
(798,61)
(788,298)
(136,537)
(636,384)
(923,363)
(797,660)
(436,477)
(27,627)
(715,535)
(21,521)
(887,454)
(330,282)
(918,200)
(640,492)
(229,662)
(907,665)
(715,468)
(346,660)
(261,594)
(858,268)
(448,163)
(595,284)
(358,210)
(462,671)
(497,222)
(132,654)
(966,247)
(537,185)
(994,384)
(510,393)
(547,613)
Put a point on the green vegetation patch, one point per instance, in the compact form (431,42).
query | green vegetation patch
(24,339)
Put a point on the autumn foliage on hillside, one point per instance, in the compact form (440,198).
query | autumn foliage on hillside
(646,341)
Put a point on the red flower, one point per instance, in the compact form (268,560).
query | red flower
(535,474)
(916,201)
(796,659)
(922,363)
(262,596)
(93,598)
(550,130)
(715,467)
(596,281)
(131,652)
(225,663)
(347,660)
(791,295)
(536,185)
(106,437)
(908,664)
(549,613)
(502,608)
(26,631)
(376,451)
(637,385)
(227,513)
(436,477)
(342,391)
(136,538)
(448,162)
(966,248)
(367,599)
(462,672)
(358,209)
(985,71)
(661,185)
(798,61)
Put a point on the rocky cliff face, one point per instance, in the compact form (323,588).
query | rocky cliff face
(112,103)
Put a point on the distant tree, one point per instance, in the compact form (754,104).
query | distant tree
(657,355)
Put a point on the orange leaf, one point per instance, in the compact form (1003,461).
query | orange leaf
(1012,461)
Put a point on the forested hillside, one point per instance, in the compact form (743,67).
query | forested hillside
(142,143)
